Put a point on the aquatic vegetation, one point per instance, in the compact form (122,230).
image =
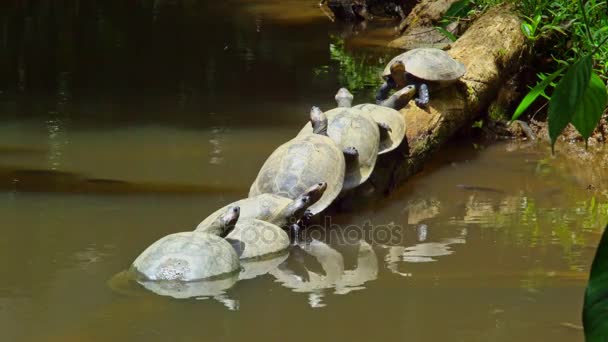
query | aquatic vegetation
(355,72)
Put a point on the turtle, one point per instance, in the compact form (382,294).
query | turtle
(304,161)
(253,238)
(275,209)
(419,66)
(350,128)
(190,256)
(390,121)
(389,139)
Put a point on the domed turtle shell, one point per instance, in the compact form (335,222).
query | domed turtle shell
(253,238)
(299,164)
(267,207)
(352,128)
(186,256)
(395,120)
(429,64)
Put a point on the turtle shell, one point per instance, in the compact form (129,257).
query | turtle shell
(429,64)
(266,207)
(353,128)
(299,164)
(390,116)
(186,256)
(256,238)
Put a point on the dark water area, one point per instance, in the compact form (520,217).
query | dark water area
(122,122)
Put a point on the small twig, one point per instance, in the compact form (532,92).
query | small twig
(324,10)
(539,109)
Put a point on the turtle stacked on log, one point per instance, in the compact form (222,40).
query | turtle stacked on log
(421,67)
(335,152)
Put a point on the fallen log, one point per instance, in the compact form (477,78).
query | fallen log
(426,13)
(491,49)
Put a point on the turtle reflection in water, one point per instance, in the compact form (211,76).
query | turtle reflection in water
(421,252)
(335,276)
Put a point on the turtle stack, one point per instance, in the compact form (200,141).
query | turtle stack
(331,155)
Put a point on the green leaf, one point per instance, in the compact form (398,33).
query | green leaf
(536,20)
(458,9)
(534,93)
(591,107)
(567,96)
(527,30)
(446,33)
(595,309)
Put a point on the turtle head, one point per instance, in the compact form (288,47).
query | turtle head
(318,121)
(315,192)
(299,206)
(398,73)
(400,98)
(344,98)
(228,220)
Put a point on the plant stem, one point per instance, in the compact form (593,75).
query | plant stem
(580,2)
(598,46)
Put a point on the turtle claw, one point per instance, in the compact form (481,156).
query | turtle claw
(308,215)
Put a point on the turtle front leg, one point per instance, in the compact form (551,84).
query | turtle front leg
(295,233)
(423,98)
(384,90)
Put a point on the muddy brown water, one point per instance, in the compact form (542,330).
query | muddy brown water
(489,243)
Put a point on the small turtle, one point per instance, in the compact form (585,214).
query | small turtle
(252,238)
(390,121)
(357,129)
(419,66)
(275,209)
(304,161)
(190,256)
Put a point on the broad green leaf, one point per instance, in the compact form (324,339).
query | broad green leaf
(591,107)
(538,90)
(595,309)
(446,33)
(527,30)
(567,96)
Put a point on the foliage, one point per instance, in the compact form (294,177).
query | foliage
(355,72)
(595,309)
(575,32)
(580,96)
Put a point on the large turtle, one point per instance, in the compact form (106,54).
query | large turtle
(348,128)
(304,161)
(190,256)
(275,209)
(419,66)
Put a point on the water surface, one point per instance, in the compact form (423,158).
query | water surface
(153,115)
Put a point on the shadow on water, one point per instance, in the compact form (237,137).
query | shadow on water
(67,182)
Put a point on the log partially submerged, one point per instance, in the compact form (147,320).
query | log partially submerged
(491,49)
